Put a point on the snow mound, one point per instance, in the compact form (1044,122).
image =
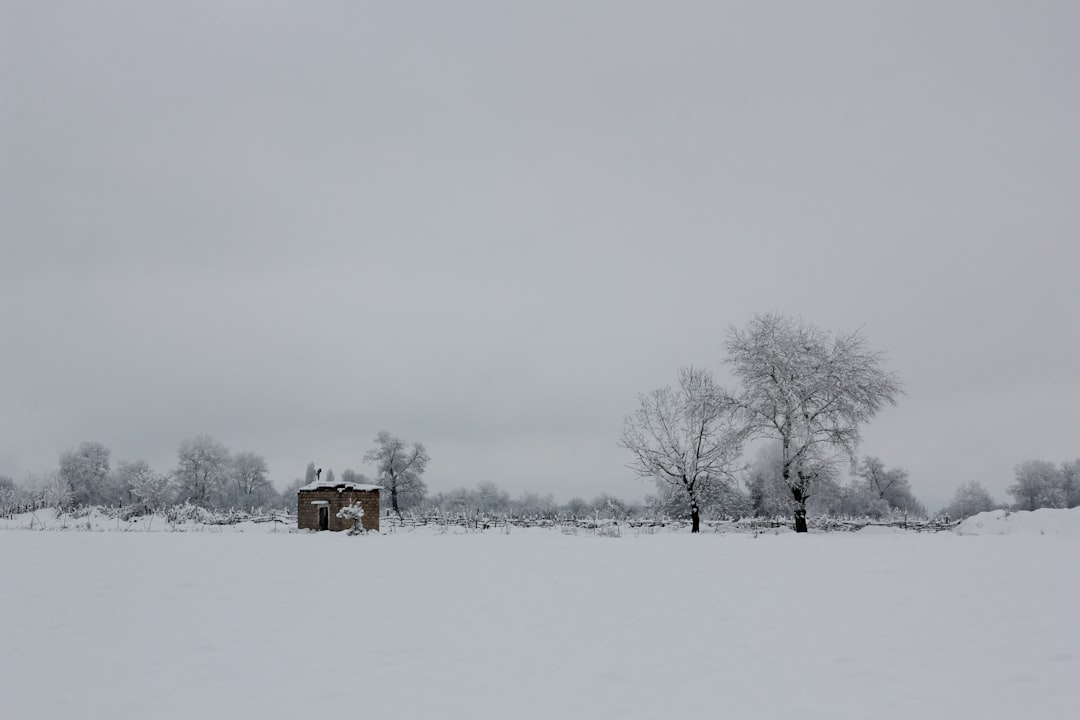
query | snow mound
(1046,521)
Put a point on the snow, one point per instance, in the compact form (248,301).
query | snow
(243,621)
(881,530)
(1045,521)
(338,485)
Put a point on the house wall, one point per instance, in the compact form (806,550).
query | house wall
(308,514)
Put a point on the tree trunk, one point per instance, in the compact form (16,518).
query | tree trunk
(695,514)
(800,509)
(393,500)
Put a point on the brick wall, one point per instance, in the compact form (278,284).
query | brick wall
(308,514)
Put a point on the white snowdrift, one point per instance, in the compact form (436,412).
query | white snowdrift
(1025,522)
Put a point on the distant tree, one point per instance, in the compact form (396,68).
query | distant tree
(249,483)
(684,438)
(768,494)
(151,490)
(329,475)
(609,506)
(202,470)
(351,476)
(458,500)
(837,499)
(891,486)
(287,498)
(11,496)
(398,468)
(576,506)
(808,390)
(1039,484)
(530,504)
(86,471)
(310,474)
(970,499)
(1070,483)
(489,499)
(48,489)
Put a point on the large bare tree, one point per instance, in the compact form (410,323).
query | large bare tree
(398,467)
(684,438)
(810,391)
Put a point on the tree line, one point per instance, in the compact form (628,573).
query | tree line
(207,474)
(1036,484)
(803,394)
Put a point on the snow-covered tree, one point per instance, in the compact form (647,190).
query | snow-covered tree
(970,499)
(353,512)
(609,506)
(202,470)
(86,471)
(11,496)
(685,438)
(151,490)
(398,469)
(1039,484)
(1070,483)
(808,390)
(48,489)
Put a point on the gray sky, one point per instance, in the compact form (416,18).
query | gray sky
(488,226)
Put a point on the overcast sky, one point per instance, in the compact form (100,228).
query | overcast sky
(488,226)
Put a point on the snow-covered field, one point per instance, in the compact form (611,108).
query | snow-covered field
(536,624)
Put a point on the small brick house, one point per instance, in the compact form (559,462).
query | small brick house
(317,505)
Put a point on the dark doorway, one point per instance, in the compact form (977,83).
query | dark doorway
(324,518)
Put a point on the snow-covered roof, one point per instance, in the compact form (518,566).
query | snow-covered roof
(338,485)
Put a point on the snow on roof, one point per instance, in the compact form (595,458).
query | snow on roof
(338,485)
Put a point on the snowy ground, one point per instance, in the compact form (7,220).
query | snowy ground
(536,624)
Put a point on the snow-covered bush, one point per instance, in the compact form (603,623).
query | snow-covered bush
(353,512)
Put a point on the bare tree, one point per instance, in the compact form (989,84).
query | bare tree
(684,438)
(808,390)
(201,470)
(249,481)
(398,469)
